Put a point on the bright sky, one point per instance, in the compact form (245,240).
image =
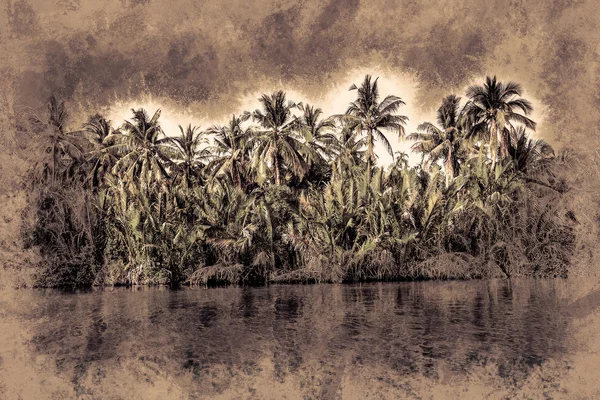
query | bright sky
(338,97)
(335,101)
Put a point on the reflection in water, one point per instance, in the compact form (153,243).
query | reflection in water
(208,339)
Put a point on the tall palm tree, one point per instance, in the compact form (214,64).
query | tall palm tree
(402,158)
(533,160)
(371,117)
(531,157)
(142,151)
(351,153)
(317,133)
(187,154)
(229,151)
(321,143)
(97,129)
(494,107)
(277,142)
(445,142)
(65,148)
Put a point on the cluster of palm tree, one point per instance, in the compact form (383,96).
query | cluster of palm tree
(285,194)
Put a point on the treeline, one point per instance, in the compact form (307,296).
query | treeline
(284,193)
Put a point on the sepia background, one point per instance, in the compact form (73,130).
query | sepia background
(205,59)
(200,61)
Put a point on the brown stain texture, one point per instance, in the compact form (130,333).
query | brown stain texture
(202,55)
(138,365)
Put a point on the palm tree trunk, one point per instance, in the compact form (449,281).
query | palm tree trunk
(238,177)
(53,161)
(503,140)
(370,156)
(277,179)
(494,144)
(449,167)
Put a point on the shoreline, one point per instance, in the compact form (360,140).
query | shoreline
(285,283)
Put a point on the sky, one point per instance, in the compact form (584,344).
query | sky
(200,61)
(334,101)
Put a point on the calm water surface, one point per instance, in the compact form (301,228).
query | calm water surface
(304,341)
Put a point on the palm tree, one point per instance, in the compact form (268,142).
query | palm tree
(321,142)
(351,153)
(530,157)
(187,153)
(371,117)
(277,142)
(533,160)
(64,145)
(445,142)
(98,129)
(328,213)
(493,108)
(143,154)
(229,151)
(401,161)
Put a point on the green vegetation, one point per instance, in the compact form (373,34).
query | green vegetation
(283,194)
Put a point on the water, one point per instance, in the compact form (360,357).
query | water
(407,340)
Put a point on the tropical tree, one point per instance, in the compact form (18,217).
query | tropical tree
(142,152)
(173,209)
(371,117)
(494,108)
(277,142)
(65,149)
(97,129)
(444,142)
(229,151)
(531,157)
(187,155)
(317,133)
(320,143)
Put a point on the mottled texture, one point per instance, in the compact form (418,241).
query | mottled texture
(208,55)
(203,60)
(520,339)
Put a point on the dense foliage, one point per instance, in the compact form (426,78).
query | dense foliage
(285,194)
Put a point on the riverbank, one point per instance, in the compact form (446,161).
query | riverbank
(407,224)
